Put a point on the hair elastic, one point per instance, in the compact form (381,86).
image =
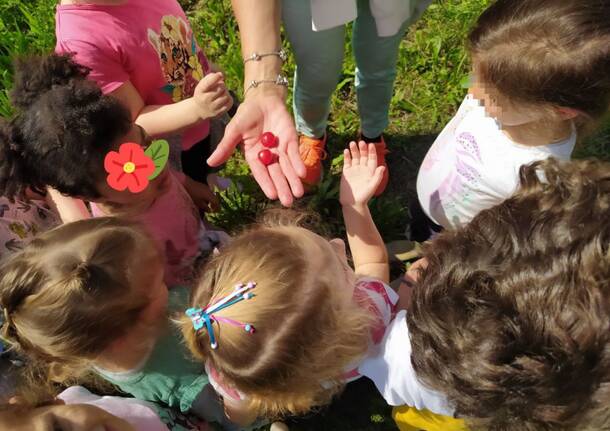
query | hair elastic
(204,317)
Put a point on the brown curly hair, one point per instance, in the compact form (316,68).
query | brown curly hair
(511,317)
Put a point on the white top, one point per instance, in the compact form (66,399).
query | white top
(393,374)
(141,415)
(389,14)
(473,166)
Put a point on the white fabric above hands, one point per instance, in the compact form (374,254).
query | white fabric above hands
(472,165)
(389,14)
(140,414)
(393,374)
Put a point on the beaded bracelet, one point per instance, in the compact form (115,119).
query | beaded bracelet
(279,80)
(282,54)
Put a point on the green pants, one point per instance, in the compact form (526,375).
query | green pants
(319,58)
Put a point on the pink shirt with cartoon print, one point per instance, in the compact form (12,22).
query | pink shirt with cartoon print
(146,42)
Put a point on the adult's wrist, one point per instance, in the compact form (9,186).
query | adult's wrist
(267,90)
(267,67)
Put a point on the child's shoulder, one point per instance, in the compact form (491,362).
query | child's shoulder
(377,289)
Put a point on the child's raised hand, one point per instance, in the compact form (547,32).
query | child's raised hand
(361,174)
(211,96)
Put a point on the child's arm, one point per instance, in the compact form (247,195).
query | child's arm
(360,179)
(210,99)
(69,209)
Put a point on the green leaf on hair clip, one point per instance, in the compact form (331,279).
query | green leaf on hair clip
(158,151)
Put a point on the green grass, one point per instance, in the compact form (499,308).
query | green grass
(432,68)
(25,27)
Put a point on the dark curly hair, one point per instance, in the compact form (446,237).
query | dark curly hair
(511,318)
(63,128)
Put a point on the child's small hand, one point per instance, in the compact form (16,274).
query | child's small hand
(203,197)
(361,175)
(211,96)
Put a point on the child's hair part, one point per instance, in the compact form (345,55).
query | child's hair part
(511,318)
(304,336)
(69,294)
(63,128)
(547,53)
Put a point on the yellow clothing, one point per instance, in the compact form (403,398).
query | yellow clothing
(410,419)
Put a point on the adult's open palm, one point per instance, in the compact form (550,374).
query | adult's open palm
(258,114)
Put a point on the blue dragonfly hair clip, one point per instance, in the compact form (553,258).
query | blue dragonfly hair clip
(204,317)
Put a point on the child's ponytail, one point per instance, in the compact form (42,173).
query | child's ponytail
(70,293)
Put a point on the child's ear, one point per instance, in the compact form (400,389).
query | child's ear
(568,113)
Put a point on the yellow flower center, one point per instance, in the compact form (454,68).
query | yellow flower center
(129,167)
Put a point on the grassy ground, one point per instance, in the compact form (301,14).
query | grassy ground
(432,67)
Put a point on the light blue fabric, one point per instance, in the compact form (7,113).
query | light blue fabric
(319,58)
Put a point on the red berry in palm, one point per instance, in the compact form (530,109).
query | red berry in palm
(266,157)
(269,140)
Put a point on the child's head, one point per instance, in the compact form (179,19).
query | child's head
(511,318)
(307,327)
(77,289)
(63,129)
(543,59)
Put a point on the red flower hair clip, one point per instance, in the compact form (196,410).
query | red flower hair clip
(132,168)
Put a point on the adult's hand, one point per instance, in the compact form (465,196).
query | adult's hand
(265,112)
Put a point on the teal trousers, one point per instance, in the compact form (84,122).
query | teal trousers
(319,59)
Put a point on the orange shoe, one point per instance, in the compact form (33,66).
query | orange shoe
(381,152)
(312,153)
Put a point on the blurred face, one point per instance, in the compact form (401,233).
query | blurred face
(125,198)
(499,107)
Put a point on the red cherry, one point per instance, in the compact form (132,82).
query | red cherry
(266,157)
(269,140)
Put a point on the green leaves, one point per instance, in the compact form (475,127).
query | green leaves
(158,151)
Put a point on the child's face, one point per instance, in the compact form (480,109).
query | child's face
(125,198)
(499,107)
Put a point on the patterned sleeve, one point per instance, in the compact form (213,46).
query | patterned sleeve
(381,300)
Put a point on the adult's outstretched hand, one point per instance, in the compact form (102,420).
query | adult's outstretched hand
(265,112)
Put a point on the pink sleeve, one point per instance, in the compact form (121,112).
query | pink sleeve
(106,68)
(380,299)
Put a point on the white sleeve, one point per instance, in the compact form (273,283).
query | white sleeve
(393,374)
